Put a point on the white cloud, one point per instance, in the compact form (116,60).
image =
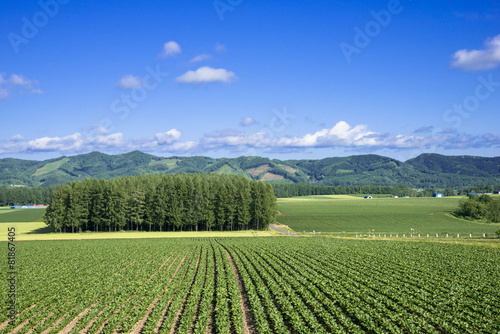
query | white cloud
(71,143)
(200,58)
(130,82)
(168,137)
(17,82)
(207,74)
(20,80)
(478,60)
(342,136)
(247,121)
(170,49)
(17,138)
(113,140)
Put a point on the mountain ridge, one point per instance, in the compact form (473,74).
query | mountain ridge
(425,170)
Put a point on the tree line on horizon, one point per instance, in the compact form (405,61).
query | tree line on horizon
(284,190)
(179,202)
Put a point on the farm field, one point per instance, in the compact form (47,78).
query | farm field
(264,285)
(350,214)
(21,215)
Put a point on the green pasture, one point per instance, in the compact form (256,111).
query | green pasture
(349,215)
(8,215)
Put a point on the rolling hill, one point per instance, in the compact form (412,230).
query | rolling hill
(426,170)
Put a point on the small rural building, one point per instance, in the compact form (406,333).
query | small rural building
(471,194)
(438,195)
(496,192)
(368,196)
(394,196)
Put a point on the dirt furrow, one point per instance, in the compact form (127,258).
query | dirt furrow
(165,310)
(248,320)
(181,310)
(140,325)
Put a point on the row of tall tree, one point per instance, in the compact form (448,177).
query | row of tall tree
(177,202)
(283,190)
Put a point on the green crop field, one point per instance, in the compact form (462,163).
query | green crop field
(351,214)
(21,215)
(252,285)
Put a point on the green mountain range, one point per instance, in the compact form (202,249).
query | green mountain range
(424,171)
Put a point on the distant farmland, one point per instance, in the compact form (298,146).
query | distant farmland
(350,214)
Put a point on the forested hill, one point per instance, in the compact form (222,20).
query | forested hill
(424,171)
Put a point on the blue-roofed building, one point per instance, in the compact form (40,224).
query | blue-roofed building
(438,195)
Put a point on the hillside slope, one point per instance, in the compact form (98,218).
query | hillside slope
(424,171)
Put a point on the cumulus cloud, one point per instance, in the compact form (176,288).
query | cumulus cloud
(200,58)
(17,82)
(478,60)
(168,137)
(17,138)
(113,140)
(71,143)
(207,74)
(247,121)
(341,135)
(130,82)
(170,49)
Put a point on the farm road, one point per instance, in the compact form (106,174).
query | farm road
(277,229)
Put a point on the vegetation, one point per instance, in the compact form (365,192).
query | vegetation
(478,208)
(274,285)
(350,215)
(21,215)
(424,171)
(181,202)
(23,195)
(285,190)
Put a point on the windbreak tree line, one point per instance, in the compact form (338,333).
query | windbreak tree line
(283,190)
(180,202)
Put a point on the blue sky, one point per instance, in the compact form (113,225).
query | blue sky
(225,78)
